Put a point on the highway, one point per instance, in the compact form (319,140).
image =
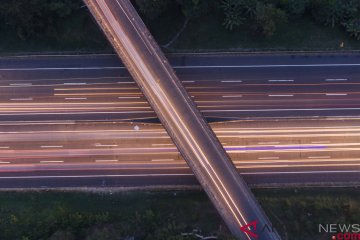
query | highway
(177,112)
(92,154)
(223,87)
(40,77)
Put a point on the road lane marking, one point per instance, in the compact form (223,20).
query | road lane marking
(335,79)
(318,157)
(187,67)
(231,81)
(86,93)
(162,144)
(21,99)
(188,81)
(268,158)
(232,96)
(319,142)
(284,80)
(51,146)
(64,55)
(59,68)
(162,160)
(82,83)
(295,165)
(170,174)
(336,94)
(128,97)
(53,161)
(125,82)
(281,95)
(1,162)
(281,109)
(269,65)
(97,176)
(106,145)
(20,84)
(106,160)
(73,113)
(79,98)
(6,147)
(95,89)
(234,133)
(261,143)
(302,172)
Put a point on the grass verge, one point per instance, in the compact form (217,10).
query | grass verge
(166,214)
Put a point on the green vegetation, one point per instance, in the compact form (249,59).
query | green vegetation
(195,25)
(298,213)
(48,25)
(71,215)
(164,215)
(258,25)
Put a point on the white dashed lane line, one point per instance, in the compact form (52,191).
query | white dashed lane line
(51,161)
(51,146)
(106,160)
(80,98)
(335,79)
(336,94)
(82,83)
(162,160)
(268,158)
(318,157)
(281,80)
(231,81)
(21,99)
(106,145)
(232,96)
(281,95)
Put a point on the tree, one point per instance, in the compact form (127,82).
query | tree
(249,7)
(190,9)
(353,28)
(267,17)
(328,12)
(338,12)
(295,8)
(195,8)
(232,10)
(236,11)
(152,8)
(32,18)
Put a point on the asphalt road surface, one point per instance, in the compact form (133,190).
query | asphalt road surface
(29,105)
(223,87)
(273,152)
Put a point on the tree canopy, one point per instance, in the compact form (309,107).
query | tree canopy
(34,19)
(266,15)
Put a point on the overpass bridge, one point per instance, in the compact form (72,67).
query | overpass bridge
(182,120)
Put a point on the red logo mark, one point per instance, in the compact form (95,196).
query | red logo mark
(248,230)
